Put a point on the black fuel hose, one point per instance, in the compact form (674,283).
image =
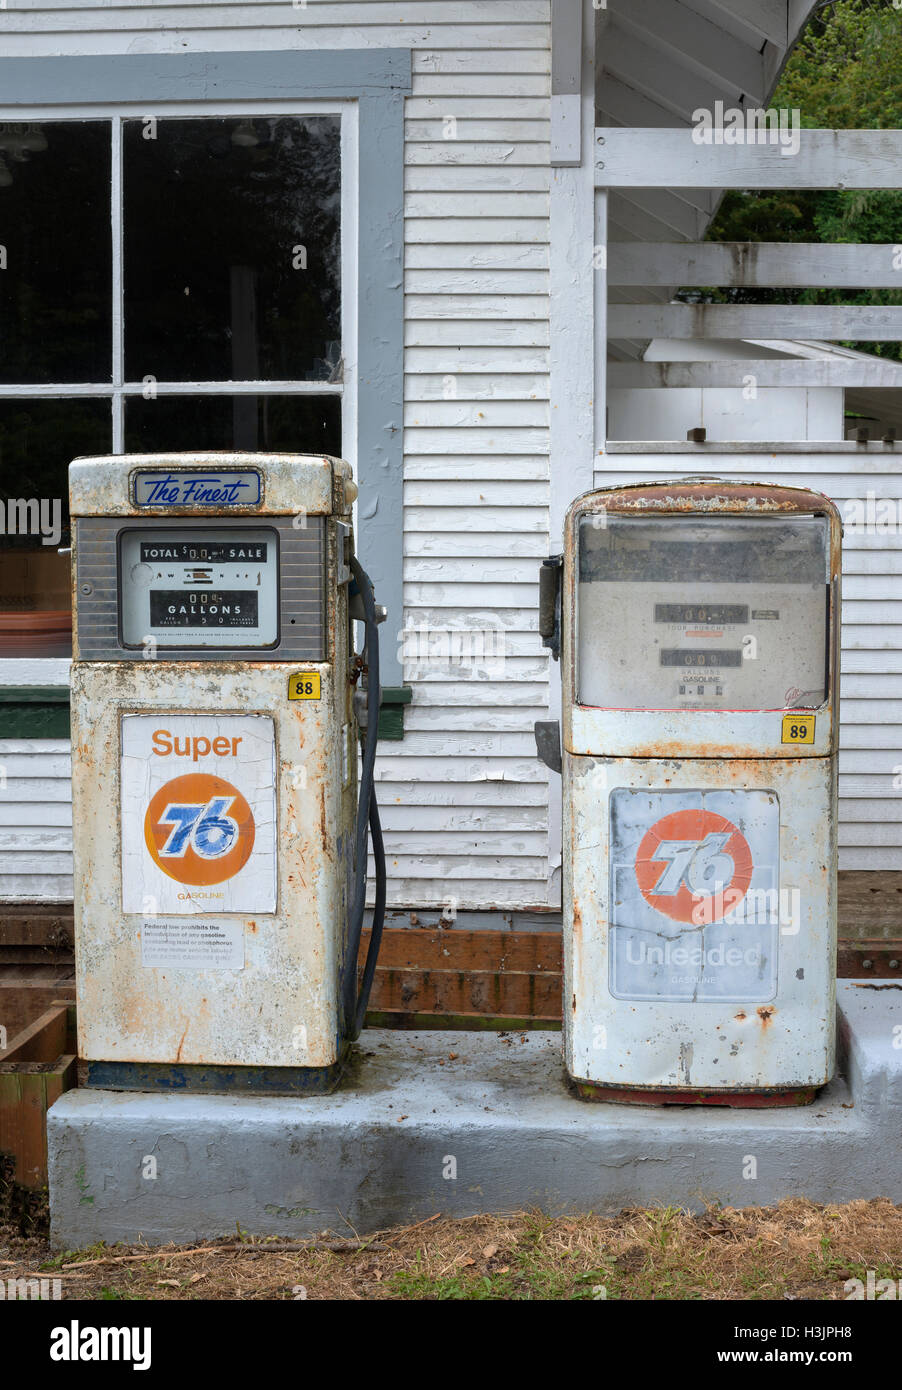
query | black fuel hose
(367,823)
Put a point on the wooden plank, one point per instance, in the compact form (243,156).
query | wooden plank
(668,158)
(26,1094)
(767,18)
(654,73)
(24,996)
(36,924)
(508,154)
(873,323)
(42,1041)
(459,949)
(475,386)
(500,257)
(477,992)
(703,46)
(757,264)
(863,960)
(800,374)
(335,13)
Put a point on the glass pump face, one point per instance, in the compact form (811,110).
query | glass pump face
(701,612)
(214,587)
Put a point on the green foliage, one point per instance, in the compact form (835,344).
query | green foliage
(845,73)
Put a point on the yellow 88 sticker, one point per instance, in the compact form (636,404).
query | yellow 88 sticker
(305,685)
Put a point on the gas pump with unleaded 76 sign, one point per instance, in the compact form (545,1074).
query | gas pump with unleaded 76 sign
(697,625)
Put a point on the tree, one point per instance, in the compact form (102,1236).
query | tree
(845,73)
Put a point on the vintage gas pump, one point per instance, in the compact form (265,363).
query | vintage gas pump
(220,838)
(697,623)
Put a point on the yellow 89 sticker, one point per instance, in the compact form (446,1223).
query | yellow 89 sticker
(798,728)
(306,685)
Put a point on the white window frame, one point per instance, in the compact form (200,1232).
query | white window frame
(54,671)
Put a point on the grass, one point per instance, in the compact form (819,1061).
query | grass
(798,1250)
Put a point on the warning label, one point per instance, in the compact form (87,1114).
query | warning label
(193,945)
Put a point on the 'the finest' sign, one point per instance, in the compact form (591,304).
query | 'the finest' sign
(174,488)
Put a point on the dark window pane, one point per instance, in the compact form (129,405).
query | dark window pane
(38,440)
(232,249)
(285,424)
(55,290)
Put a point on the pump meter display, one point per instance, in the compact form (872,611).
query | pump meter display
(703,612)
(212,587)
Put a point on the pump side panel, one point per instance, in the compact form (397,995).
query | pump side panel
(255,985)
(669,985)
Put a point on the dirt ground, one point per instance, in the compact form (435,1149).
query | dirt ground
(798,1250)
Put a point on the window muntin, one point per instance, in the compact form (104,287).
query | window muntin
(85,303)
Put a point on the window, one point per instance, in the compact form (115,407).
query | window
(165,284)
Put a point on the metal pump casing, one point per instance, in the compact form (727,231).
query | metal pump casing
(699,647)
(214,751)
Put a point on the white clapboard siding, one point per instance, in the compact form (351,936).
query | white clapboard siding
(35,819)
(870,762)
(466,801)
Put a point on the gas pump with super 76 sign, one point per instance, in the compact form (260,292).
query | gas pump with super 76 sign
(697,623)
(219,838)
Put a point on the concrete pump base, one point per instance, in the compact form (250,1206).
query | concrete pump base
(414,1130)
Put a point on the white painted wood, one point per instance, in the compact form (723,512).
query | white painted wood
(866,323)
(497,792)
(468,542)
(499,259)
(473,357)
(767,372)
(35,886)
(827,159)
(505,282)
(474,332)
(620,104)
(467,818)
(48,671)
(477,231)
(504,154)
(654,73)
(468,128)
(702,46)
(768,18)
(518,467)
(474,386)
(766,265)
(321,12)
(21,815)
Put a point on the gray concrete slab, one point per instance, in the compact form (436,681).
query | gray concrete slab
(414,1130)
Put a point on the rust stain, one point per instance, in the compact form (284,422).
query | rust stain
(741,1016)
(178,1055)
(766,1014)
(710,495)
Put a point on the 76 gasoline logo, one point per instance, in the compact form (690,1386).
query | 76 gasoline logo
(199,829)
(694,866)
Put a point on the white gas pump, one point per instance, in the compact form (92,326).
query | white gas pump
(220,840)
(697,625)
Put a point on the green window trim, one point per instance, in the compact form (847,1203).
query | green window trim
(42,711)
(34,711)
